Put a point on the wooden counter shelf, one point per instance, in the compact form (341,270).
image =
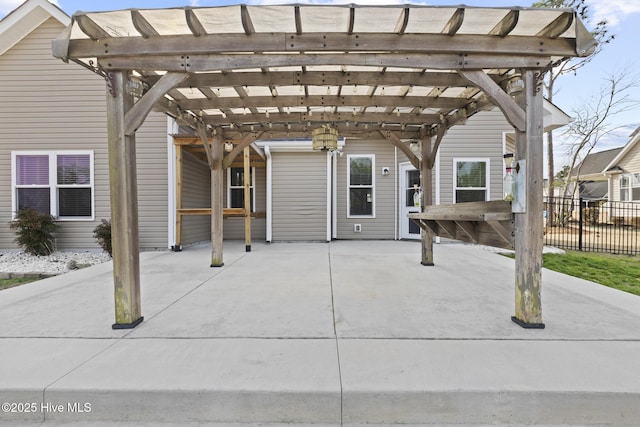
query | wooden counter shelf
(486,223)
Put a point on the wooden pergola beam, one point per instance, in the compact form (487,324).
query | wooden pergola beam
(204,141)
(506,24)
(397,142)
(246,141)
(558,26)
(437,61)
(211,44)
(454,23)
(143,26)
(323,100)
(135,117)
(321,78)
(194,24)
(511,110)
(434,152)
(319,117)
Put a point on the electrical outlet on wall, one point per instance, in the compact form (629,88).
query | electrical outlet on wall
(357,228)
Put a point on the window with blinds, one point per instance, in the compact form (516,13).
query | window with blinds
(471,178)
(361,185)
(235,188)
(58,183)
(629,187)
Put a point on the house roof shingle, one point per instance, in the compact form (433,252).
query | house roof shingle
(595,163)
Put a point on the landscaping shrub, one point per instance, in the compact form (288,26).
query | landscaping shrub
(34,231)
(102,234)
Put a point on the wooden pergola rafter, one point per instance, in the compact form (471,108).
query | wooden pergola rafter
(405,73)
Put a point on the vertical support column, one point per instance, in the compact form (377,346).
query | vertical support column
(528,225)
(426,182)
(178,244)
(124,205)
(247,199)
(217,189)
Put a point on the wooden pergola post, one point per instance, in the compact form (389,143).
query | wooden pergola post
(247,199)
(426,182)
(217,205)
(124,204)
(528,225)
(178,244)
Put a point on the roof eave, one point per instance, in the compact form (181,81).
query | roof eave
(30,15)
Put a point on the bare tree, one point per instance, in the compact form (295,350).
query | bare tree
(569,66)
(593,118)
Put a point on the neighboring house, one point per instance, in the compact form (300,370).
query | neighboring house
(590,175)
(53,149)
(623,172)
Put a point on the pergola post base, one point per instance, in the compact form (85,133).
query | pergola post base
(127,325)
(526,325)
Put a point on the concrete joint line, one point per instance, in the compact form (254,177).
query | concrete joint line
(335,333)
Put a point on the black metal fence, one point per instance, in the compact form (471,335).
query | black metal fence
(592,225)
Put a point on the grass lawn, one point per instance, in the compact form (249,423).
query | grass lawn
(616,271)
(10,283)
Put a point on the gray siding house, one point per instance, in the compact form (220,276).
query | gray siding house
(623,172)
(53,116)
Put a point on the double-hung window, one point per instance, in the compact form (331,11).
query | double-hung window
(361,186)
(630,187)
(58,183)
(235,188)
(471,180)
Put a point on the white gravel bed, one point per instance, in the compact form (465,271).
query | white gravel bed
(56,263)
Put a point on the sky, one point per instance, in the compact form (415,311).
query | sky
(572,91)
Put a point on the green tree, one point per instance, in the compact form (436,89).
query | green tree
(562,175)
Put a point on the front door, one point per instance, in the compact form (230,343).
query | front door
(409,182)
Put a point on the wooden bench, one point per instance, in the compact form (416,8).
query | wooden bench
(486,223)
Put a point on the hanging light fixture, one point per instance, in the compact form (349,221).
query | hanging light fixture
(324,138)
(515,85)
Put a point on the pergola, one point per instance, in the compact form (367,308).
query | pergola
(403,73)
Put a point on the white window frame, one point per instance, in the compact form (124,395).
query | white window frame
(252,186)
(487,187)
(53,182)
(373,185)
(633,180)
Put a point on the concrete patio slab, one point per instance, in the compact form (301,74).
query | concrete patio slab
(218,380)
(346,333)
(281,292)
